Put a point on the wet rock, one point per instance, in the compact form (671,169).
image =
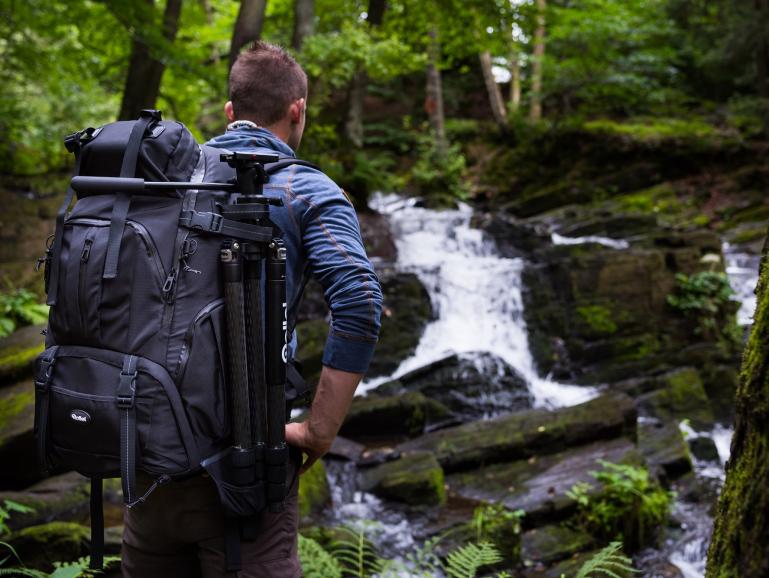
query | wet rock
(377,456)
(513,237)
(65,497)
(539,485)
(406,311)
(529,433)
(39,546)
(18,352)
(416,478)
(377,237)
(681,396)
(17,438)
(704,448)
(472,385)
(552,543)
(395,418)
(314,491)
(346,449)
(662,445)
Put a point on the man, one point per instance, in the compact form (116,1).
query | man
(185,537)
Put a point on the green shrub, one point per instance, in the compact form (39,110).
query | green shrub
(629,506)
(20,307)
(705,297)
(439,175)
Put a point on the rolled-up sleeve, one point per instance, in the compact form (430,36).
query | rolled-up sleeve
(337,259)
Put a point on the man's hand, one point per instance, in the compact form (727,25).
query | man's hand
(333,396)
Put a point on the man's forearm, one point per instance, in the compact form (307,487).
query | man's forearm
(329,407)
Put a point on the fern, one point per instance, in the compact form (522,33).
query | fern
(23,572)
(356,555)
(467,560)
(316,562)
(607,562)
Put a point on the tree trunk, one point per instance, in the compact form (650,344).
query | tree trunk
(539,56)
(492,89)
(762,48)
(304,21)
(144,70)
(353,126)
(248,26)
(741,533)
(434,95)
(515,79)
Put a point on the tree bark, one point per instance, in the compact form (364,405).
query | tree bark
(515,79)
(434,95)
(145,71)
(248,26)
(353,126)
(762,48)
(304,21)
(492,89)
(741,532)
(539,55)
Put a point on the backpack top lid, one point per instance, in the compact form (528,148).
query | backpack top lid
(168,151)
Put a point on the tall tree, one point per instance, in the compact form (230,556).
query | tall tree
(535,112)
(304,21)
(741,532)
(434,94)
(145,70)
(492,89)
(353,126)
(515,78)
(248,26)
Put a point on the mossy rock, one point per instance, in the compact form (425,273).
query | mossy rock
(39,546)
(392,418)
(18,352)
(553,543)
(681,396)
(416,478)
(539,486)
(529,433)
(314,491)
(664,448)
(704,448)
(17,439)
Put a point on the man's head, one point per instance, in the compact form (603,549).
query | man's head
(268,87)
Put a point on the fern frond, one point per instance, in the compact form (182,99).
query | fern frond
(606,562)
(355,554)
(316,562)
(467,560)
(24,572)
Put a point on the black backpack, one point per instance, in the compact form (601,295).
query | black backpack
(133,375)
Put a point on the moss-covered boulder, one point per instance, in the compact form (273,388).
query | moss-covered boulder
(18,352)
(392,418)
(539,485)
(17,438)
(39,546)
(416,478)
(664,448)
(681,396)
(314,491)
(704,448)
(529,433)
(553,543)
(472,385)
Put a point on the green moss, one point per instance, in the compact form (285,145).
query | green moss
(417,478)
(749,235)
(598,318)
(656,199)
(13,406)
(654,129)
(682,396)
(314,491)
(39,546)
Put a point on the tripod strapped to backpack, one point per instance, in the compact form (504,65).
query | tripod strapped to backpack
(166,350)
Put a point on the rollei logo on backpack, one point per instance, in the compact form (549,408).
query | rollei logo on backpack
(80,416)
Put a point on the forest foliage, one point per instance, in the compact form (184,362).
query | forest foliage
(67,64)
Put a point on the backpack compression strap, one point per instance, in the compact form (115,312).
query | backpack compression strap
(123,200)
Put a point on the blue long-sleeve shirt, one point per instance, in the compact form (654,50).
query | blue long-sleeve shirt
(322,237)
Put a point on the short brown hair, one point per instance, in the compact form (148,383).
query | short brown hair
(264,81)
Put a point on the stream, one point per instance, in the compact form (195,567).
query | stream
(476,296)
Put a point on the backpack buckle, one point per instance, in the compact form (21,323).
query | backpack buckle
(211,222)
(126,391)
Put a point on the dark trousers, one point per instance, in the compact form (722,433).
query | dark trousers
(179,532)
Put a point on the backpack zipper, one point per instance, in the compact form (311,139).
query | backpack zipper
(81,298)
(184,354)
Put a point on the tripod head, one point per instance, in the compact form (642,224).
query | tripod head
(250,173)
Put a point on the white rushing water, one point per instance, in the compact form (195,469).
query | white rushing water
(742,269)
(475,293)
(605,241)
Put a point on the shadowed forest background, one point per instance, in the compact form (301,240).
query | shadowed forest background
(600,166)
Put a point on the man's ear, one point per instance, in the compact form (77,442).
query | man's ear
(296,111)
(229,112)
